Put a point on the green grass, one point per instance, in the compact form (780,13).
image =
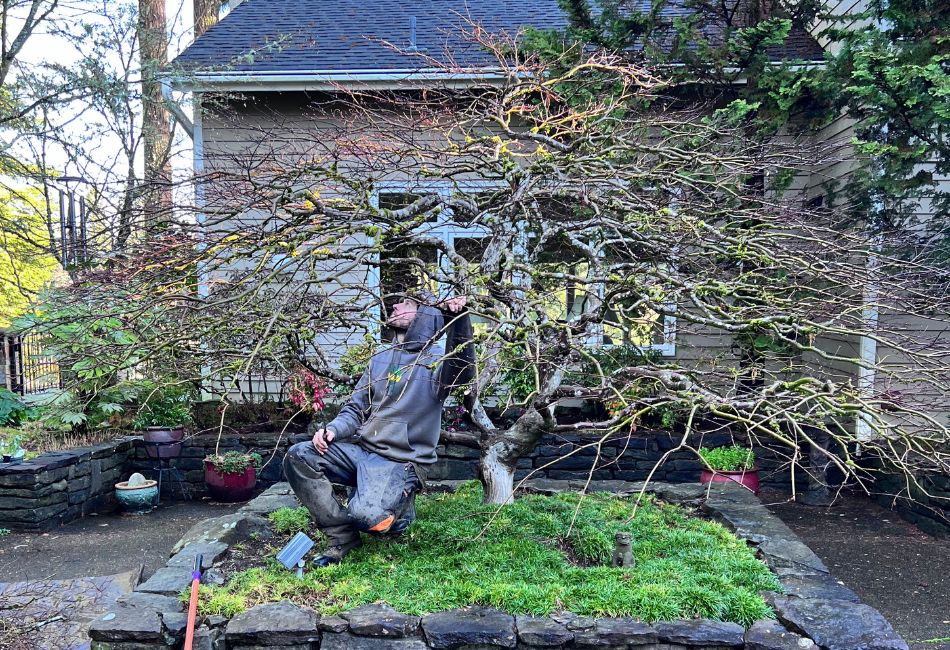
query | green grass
(686,567)
(289,521)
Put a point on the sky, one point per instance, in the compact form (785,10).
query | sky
(44,46)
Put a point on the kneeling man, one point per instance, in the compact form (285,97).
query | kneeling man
(384,438)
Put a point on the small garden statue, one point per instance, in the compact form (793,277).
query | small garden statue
(384,438)
(623,554)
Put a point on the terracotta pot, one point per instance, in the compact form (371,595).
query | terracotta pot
(229,488)
(748,478)
(163,442)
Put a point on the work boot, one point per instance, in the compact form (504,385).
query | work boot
(405,518)
(333,554)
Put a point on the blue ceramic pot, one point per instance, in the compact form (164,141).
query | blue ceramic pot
(138,499)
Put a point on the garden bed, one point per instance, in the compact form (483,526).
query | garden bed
(424,580)
(461,552)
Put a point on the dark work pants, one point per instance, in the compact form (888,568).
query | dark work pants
(382,487)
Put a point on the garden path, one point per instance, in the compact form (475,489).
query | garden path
(892,565)
(46,576)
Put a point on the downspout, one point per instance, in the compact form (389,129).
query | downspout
(867,345)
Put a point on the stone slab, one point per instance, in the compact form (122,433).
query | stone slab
(169,581)
(482,626)
(155,602)
(701,632)
(381,620)
(772,635)
(838,624)
(348,641)
(272,624)
(127,624)
(210,552)
(542,631)
(227,529)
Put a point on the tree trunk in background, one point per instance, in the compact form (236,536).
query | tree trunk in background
(156,125)
(206,15)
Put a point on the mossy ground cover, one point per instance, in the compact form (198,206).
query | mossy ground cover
(529,559)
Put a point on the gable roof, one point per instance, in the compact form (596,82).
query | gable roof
(262,38)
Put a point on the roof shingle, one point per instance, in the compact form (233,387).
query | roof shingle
(283,36)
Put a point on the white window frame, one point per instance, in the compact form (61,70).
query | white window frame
(448,231)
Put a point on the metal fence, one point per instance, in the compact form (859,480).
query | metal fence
(27,369)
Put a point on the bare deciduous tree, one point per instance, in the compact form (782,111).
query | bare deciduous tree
(590,209)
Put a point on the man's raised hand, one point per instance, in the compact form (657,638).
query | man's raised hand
(455,305)
(322,439)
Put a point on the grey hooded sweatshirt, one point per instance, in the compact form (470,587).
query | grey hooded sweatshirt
(396,407)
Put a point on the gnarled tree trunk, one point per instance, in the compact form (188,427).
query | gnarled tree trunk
(500,454)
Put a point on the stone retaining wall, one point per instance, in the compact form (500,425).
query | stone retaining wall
(60,486)
(815,610)
(929,510)
(188,479)
(569,457)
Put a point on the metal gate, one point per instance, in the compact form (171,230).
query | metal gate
(27,369)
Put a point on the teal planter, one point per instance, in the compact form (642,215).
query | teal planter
(139,499)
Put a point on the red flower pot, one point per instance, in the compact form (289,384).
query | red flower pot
(229,488)
(748,478)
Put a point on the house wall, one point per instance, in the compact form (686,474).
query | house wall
(287,126)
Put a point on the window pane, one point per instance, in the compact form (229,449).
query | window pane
(626,324)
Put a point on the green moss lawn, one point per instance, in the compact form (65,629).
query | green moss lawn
(528,560)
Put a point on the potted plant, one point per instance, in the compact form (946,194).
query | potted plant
(162,418)
(231,476)
(11,450)
(733,463)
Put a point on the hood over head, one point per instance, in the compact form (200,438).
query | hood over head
(427,325)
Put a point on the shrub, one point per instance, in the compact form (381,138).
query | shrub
(290,521)
(12,409)
(728,459)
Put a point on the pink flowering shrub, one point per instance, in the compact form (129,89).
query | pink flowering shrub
(307,391)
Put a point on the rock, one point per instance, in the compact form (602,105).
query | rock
(771,635)
(575,622)
(280,623)
(169,581)
(281,488)
(216,620)
(615,633)
(208,639)
(268,503)
(210,552)
(213,577)
(136,480)
(470,626)
(347,641)
(700,632)
(381,620)
(175,623)
(838,624)
(127,624)
(228,529)
(156,602)
(790,552)
(542,631)
(817,586)
(333,624)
